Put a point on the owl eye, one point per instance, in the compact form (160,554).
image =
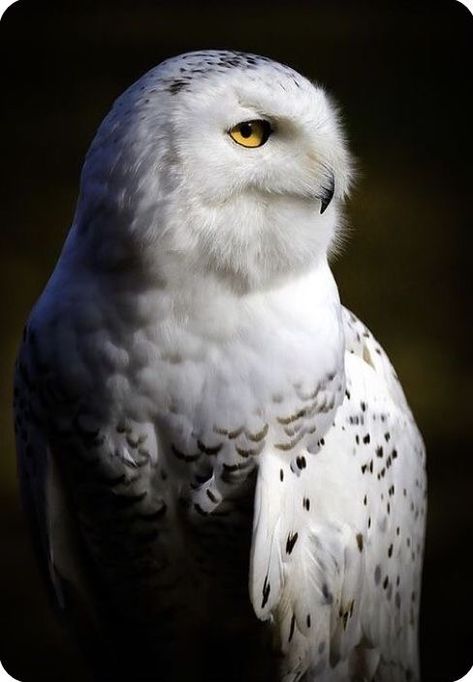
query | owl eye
(251,133)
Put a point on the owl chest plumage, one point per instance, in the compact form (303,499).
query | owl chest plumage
(157,426)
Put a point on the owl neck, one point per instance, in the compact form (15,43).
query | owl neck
(305,302)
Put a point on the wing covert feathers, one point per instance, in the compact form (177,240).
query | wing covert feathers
(337,548)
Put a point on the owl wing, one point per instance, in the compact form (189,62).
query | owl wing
(337,546)
(62,559)
(86,489)
(41,491)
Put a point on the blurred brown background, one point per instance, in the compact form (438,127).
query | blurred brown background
(401,73)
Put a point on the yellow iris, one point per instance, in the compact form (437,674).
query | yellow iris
(251,133)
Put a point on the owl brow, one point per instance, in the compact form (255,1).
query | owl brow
(257,112)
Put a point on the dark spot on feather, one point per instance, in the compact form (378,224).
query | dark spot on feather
(237,432)
(257,437)
(199,509)
(183,457)
(250,452)
(266,591)
(291,541)
(176,86)
(210,495)
(292,418)
(291,630)
(207,450)
(328,596)
(230,468)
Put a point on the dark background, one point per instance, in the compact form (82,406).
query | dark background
(401,73)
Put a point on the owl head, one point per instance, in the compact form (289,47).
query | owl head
(216,163)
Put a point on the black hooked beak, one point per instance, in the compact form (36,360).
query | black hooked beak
(326,194)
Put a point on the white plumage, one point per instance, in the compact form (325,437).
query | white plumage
(195,409)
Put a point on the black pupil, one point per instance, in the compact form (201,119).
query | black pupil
(246,129)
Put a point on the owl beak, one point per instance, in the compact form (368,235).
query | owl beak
(326,193)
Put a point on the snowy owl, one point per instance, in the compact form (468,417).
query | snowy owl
(223,476)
